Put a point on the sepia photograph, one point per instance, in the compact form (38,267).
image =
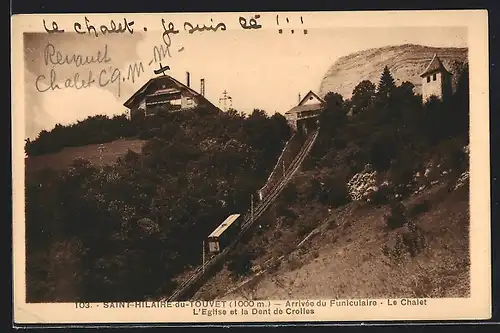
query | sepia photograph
(251,166)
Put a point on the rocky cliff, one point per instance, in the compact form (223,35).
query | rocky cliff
(405,62)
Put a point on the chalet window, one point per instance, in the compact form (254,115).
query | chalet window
(434,77)
(428,79)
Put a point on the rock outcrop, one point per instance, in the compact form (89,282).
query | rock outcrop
(406,63)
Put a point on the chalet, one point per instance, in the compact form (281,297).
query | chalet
(166,94)
(436,80)
(308,110)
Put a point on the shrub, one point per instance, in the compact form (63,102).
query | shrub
(339,143)
(452,155)
(313,189)
(295,263)
(409,241)
(402,170)
(288,214)
(414,239)
(419,208)
(240,263)
(397,218)
(332,223)
(382,149)
(290,193)
(382,196)
(304,229)
(334,192)
(146,135)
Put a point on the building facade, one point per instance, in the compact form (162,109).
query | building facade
(436,81)
(307,111)
(165,94)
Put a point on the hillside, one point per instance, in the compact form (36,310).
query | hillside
(405,62)
(105,153)
(379,209)
(127,230)
(344,255)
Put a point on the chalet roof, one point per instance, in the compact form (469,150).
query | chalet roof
(167,91)
(301,107)
(306,107)
(141,92)
(224,225)
(435,65)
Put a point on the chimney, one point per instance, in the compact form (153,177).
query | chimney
(202,87)
(188,80)
(299,98)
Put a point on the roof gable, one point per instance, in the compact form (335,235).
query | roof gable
(311,98)
(435,65)
(162,79)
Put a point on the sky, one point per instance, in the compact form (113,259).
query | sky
(259,68)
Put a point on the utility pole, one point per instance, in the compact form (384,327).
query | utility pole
(251,208)
(225,98)
(101,149)
(203,257)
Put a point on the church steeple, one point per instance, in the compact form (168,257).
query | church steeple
(436,80)
(435,65)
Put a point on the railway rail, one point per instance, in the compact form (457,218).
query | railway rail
(248,220)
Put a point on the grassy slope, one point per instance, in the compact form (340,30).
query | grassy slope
(60,160)
(346,259)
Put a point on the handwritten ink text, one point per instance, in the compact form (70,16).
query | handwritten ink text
(114,28)
(55,57)
(252,24)
(167,30)
(193,29)
(55,28)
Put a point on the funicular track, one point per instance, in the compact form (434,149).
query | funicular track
(247,220)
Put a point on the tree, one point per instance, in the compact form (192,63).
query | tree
(382,148)
(333,115)
(363,96)
(386,86)
(460,103)
(334,100)
(405,91)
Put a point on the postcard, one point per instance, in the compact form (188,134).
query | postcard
(245,167)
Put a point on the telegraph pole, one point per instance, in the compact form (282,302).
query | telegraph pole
(203,257)
(101,149)
(225,98)
(251,208)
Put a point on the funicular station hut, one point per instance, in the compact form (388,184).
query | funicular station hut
(305,115)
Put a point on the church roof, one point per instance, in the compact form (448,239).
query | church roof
(434,66)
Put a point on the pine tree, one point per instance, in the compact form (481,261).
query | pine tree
(386,84)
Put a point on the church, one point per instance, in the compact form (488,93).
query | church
(436,80)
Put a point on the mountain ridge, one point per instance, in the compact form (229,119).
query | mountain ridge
(406,62)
